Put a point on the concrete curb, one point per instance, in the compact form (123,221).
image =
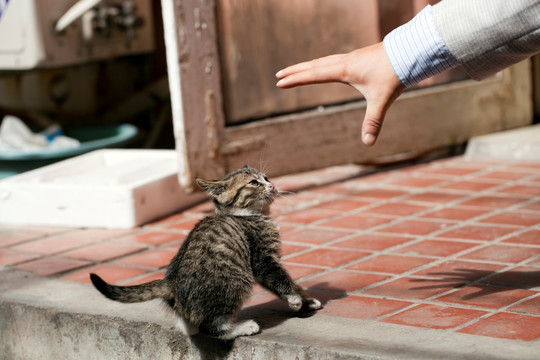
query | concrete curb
(521,144)
(42,318)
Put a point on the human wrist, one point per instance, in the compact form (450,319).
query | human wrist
(416,50)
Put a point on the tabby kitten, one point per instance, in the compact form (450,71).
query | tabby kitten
(213,273)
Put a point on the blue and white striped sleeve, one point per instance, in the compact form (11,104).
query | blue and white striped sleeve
(417,51)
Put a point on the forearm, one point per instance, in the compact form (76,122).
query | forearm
(486,36)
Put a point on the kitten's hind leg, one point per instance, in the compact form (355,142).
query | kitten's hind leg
(224,328)
(185,327)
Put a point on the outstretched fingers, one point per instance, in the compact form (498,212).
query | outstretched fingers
(322,70)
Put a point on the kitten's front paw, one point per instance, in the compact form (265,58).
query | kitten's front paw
(295,302)
(313,304)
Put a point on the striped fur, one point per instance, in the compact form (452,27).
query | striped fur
(214,271)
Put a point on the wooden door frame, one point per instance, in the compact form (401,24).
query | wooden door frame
(419,120)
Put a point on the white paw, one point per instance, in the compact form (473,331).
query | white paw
(249,327)
(314,304)
(186,328)
(295,302)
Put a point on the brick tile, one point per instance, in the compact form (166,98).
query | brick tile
(110,273)
(490,297)
(532,190)
(361,307)
(356,222)
(342,281)
(451,170)
(102,251)
(531,306)
(455,213)
(327,257)
(205,208)
(458,270)
(287,249)
(186,225)
(374,178)
(438,248)
(271,301)
(306,216)
(151,238)
(412,288)
(507,326)
(299,271)
(534,178)
(503,253)
(514,218)
(493,201)
(533,262)
(434,316)
(169,219)
(418,182)
(265,300)
(257,289)
(333,189)
(313,236)
(151,277)
(9,257)
(470,186)
(392,264)
(477,232)
(96,234)
(414,227)
(52,245)
(502,175)
(46,229)
(409,169)
(378,193)
(521,277)
(52,265)
(372,242)
(13,236)
(325,296)
(434,197)
(526,166)
(153,258)
(533,206)
(285,228)
(343,205)
(397,209)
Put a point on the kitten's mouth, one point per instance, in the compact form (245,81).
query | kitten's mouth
(272,194)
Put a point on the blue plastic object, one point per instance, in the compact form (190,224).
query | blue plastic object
(13,162)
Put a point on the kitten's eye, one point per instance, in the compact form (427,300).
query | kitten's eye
(254,183)
(266,179)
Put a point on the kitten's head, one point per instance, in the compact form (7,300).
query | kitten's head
(245,191)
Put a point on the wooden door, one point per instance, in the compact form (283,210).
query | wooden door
(222,56)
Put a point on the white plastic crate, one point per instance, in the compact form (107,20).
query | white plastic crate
(104,188)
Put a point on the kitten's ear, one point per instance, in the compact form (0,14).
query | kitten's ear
(212,187)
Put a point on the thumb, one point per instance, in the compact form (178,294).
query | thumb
(373,121)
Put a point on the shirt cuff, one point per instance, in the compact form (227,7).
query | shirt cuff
(417,51)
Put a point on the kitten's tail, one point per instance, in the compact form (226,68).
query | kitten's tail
(137,293)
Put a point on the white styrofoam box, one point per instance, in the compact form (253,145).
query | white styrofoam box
(104,188)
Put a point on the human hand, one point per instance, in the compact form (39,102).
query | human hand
(368,70)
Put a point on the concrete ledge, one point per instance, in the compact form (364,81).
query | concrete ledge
(518,144)
(43,318)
